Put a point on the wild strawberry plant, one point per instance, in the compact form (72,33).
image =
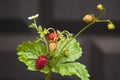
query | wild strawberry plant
(56,51)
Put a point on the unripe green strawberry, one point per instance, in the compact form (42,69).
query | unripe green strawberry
(63,39)
(111,26)
(100,7)
(52,46)
(45,31)
(88,18)
(66,53)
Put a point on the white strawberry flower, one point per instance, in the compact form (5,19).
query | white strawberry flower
(33,17)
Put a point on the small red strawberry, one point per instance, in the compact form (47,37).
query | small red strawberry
(53,36)
(41,62)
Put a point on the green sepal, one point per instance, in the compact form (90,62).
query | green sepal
(33,25)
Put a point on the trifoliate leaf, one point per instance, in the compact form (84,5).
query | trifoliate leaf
(69,69)
(29,51)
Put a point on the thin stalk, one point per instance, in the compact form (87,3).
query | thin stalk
(51,29)
(46,44)
(86,27)
(103,12)
(83,29)
(66,33)
(35,24)
(103,21)
(51,65)
(44,39)
(48,76)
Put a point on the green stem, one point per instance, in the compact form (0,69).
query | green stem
(48,75)
(83,29)
(51,65)
(35,24)
(103,12)
(86,27)
(44,39)
(46,44)
(66,33)
(51,29)
(103,21)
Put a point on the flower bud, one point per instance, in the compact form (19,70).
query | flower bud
(45,31)
(100,7)
(111,26)
(88,18)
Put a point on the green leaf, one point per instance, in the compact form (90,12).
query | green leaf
(45,69)
(69,69)
(75,51)
(40,28)
(29,51)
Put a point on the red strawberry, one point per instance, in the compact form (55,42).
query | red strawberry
(53,36)
(41,62)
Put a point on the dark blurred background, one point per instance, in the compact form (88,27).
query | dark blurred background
(101,53)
